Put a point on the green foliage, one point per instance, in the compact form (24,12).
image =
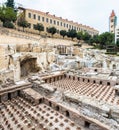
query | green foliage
(52,30)
(105,39)
(23,23)
(7,14)
(10,3)
(63,33)
(86,37)
(8,24)
(80,35)
(72,33)
(39,27)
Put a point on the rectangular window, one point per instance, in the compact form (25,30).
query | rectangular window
(61,23)
(64,24)
(67,25)
(50,21)
(29,15)
(58,23)
(47,20)
(39,18)
(34,16)
(43,19)
(54,22)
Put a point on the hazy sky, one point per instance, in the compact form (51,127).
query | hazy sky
(94,13)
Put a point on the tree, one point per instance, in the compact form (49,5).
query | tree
(105,39)
(10,3)
(79,35)
(7,14)
(39,27)
(52,30)
(86,37)
(63,33)
(72,33)
(23,23)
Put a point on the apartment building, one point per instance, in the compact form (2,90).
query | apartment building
(33,17)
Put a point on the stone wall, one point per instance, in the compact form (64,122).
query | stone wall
(88,123)
(3,57)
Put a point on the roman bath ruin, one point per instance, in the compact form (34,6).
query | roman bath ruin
(50,84)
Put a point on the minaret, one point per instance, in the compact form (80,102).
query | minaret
(112,22)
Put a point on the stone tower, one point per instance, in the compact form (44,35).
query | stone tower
(112,22)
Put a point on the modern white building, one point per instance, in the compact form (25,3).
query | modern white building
(117,33)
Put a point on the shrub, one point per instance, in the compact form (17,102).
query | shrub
(8,25)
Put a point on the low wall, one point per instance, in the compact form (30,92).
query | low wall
(88,123)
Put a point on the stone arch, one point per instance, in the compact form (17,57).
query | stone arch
(28,65)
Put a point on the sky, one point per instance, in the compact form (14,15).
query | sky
(93,13)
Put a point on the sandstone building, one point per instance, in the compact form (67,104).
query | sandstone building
(48,20)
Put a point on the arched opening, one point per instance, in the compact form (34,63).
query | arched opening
(88,80)
(40,100)
(78,79)
(108,83)
(18,93)
(50,104)
(57,108)
(28,66)
(94,81)
(116,83)
(9,96)
(95,70)
(83,80)
(100,82)
(87,124)
(67,114)
(73,78)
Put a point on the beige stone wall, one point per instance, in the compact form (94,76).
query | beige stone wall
(3,58)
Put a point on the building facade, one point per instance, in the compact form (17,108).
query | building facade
(112,22)
(116,34)
(33,17)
